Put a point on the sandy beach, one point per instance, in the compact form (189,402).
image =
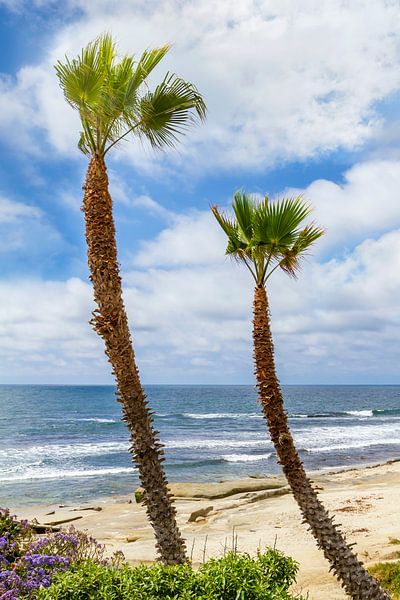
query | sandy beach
(256,512)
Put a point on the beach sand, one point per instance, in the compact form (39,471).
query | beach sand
(256,513)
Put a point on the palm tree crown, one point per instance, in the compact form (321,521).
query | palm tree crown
(266,235)
(113,99)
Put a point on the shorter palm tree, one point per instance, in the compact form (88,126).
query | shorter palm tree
(266,236)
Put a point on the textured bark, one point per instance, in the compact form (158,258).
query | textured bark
(110,322)
(358,583)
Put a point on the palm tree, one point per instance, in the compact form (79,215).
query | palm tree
(266,236)
(114,101)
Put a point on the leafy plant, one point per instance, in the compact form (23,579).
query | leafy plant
(28,564)
(238,576)
(235,576)
(388,575)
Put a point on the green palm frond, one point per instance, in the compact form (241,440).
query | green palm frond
(266,235)
(167,111)
(82,78)
(235,245)
(243,209)
(107,92)
(276,223)
(290,263)
(307,237)
(147,63)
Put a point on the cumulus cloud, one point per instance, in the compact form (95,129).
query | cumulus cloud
(282,80)
(44,333)
(339,322)
(33,113)
(191,308)
(364,204)
(25,228)
(10,211)
(121,192)
(191,240)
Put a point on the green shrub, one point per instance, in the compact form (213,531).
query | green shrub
(388,575)
(236,576)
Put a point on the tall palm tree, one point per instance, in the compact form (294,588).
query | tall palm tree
(114,101)
(266,236)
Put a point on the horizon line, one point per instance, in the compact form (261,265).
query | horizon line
(200,384)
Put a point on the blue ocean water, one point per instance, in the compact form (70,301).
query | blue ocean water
(68,444)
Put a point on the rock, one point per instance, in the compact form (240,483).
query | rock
(224,489)
(250,498)
(133,538)
(96,508)
(38,528)
(201,512)
(69,520)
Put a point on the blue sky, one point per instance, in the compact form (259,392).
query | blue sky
(302,97)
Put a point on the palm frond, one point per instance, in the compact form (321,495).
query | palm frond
(276,223)
(290,263)
(168,111)
(146,64)
(106,92)
(266,235)
(82,144)
(243,207)
(292,257)
(80,83)
(307,237)
(230,228)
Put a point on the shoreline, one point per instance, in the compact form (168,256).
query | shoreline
(118,497)
(260,512)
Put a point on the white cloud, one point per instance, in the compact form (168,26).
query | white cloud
(34,115)
(25,228)
(365,204)
(190,308)
(122,193)
(340,321)
(283,80)
(191,239)
(12,211)
(44,332)
(152,207)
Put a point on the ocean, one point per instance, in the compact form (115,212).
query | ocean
(63,444)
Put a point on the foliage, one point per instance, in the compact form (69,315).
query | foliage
(76,545)
(388,575)
(265,235)
(27,564)
(13,534)
(235,576)
(70,565)
(113,98)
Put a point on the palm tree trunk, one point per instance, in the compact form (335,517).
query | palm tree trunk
(357,582)
(111,323)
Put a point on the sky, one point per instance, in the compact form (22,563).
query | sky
(303,98)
